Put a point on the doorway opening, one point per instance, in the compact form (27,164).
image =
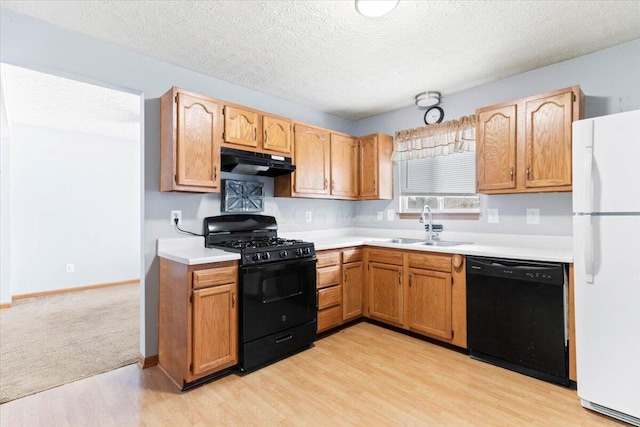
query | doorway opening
(71,227)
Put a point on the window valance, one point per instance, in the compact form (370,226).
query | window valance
(452,136)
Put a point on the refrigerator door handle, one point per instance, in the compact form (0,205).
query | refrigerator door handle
(588,248)
(588,169)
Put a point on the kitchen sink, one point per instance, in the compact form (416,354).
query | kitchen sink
(404,240)
(443,243)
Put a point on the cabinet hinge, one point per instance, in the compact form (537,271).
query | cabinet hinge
(191,299)
(175,178)
(574,97)
(223,136)
(176,100)
(452,333)
(191,367)
(223,110)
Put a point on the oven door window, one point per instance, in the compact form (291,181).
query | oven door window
(280,287)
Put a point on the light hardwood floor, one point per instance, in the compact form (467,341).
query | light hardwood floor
(364,375)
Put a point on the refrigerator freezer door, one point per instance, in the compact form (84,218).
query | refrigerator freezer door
(606,154)
(607,313)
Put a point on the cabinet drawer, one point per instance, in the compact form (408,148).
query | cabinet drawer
(351,255)
(387,257)
(328,297)
(329,317)
(328,276)
(437,262)
(327,258)
(215,276)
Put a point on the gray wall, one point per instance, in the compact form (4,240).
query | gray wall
(610,82)
(36,45)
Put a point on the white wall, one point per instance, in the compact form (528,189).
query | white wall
(5,216)
(75,199)
(610,82)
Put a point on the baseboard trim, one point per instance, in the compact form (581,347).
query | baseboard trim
(147,362)
(77,289)
(5,305)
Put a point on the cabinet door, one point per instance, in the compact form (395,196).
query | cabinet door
(276,134)
(215,328)
(198,146)
(368,183)
(240,127)
(548,141)
(344,166)
(311,157)
(496,149)
(386,296)
(430,302)
(352,290)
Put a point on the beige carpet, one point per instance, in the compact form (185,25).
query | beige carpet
(49,341)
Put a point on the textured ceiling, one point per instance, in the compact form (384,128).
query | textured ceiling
(38,99)
(323,54)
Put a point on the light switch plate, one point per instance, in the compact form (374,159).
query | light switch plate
(308,216)
(533,216)
(379,214)
(493,216)
(391,215)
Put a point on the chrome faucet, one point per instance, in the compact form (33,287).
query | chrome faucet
(430,231)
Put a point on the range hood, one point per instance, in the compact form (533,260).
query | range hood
(249,163)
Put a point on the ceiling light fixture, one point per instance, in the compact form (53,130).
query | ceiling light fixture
(375,8)
(427,99)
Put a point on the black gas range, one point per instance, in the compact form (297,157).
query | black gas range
(277,287)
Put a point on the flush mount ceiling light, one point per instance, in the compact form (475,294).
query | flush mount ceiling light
(375,8)
(427,99)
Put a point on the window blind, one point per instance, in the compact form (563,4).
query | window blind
(453,174)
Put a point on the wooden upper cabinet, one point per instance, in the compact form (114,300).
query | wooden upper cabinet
(496,149)
(240,127)
(375,168)
(344,166)
(312,160)
(548,140)
(525,145)
(189,142)
(276,134)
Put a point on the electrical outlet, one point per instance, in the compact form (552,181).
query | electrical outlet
(174,215)
(379,214)
(70,268)
(493,216)
(533,216)
(308,216)
(391,215)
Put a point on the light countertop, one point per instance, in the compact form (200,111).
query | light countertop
(191,250)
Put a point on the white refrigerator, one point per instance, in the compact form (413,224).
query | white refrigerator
(606,254)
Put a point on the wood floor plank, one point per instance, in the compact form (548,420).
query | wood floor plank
(362,375)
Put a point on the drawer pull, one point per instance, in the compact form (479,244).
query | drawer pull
(284,338)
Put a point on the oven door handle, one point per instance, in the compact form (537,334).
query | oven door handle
(278,265)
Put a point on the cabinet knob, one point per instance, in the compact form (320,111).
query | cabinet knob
(457,261)
(528,173)
(233,300)
(511,173)
(326,183)
(215,172)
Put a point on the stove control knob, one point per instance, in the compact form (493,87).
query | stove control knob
(256,257)
(266,255)
(283,254)
(307,251)
(299,252)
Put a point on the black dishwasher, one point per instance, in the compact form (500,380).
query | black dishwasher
(517,316)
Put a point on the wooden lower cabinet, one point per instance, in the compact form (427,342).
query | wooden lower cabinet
(340,285)
(386,293)
(198,319)
(424,292)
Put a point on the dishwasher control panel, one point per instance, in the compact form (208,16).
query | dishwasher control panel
(552,273)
